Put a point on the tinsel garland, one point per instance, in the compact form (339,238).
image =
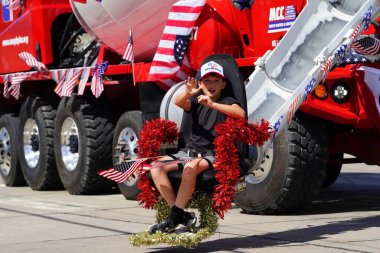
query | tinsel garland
(226,164)
(152,135)
(208,225)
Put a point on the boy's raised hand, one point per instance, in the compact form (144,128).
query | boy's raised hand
(192,86)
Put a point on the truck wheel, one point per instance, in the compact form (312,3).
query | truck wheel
(10,169)
(334,166)
(293,170)
(83,145)
(36,144)
(125,145)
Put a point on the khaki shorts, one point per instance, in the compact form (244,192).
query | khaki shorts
(182,154)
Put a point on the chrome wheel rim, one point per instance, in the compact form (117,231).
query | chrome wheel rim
(260,172)
(31,140)
(128,139)
(5,152)
(70,144)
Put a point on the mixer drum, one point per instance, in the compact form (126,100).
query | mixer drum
(109,22)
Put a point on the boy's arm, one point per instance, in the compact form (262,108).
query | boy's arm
(233,110)
(182,100)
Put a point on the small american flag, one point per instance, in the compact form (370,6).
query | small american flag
(366,20)
(121,172)
(83,80)
(31,61)
(15,4)
(170,64)
(6,80)
(368,45)
(293,108)
(128,54)
(97,80)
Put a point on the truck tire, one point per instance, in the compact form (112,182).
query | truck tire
(293,173)
(10,169)
(334,166)
(83,145)
(125,142)
(36,144)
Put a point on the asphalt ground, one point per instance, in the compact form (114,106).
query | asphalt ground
(344,218)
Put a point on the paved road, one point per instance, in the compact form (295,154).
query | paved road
(345,218)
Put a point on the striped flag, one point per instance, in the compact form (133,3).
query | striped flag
(121,172)
(368,45)
(355,32)
(170,64)
(15,4)
(326,68)
(69,74)
(70,84)
(97,79)
(83,80)
(61,77)
(293,107)
(6,80)
(128,54)
(31,61)
(16,80)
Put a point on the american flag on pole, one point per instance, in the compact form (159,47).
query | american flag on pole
(31,61)
(128,54)
(97,79)
(170,64)
(15,4)
(368,45)
(121,172)
(6,80)
(83,80)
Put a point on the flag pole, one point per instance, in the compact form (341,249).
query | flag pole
(133,60)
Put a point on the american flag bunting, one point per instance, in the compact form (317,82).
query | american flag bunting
(83,80)
(170,64)
(292,108)
(31,61)
(6,80)
(72,81)
(61,75)
(128,54)
(16,80)
(97,79)
(15,4)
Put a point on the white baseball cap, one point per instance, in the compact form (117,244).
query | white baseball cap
(211,67)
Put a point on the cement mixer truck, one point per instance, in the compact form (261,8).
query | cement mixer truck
(52,142)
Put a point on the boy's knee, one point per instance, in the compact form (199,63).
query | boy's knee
(189,171)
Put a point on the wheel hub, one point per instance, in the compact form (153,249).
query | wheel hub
(70,143)
(127,148)
(5,152)
(31,141)
(259,173)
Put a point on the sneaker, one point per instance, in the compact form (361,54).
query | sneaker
(189,220)
(167,226)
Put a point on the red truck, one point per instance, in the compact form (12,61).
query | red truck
(51,142)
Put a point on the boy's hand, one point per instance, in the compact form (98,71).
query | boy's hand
(192,86)
(205,100)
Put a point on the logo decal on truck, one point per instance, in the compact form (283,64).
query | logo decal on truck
(281,18)
(7,13)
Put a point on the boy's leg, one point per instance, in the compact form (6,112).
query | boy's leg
(162,182)
(189,176)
